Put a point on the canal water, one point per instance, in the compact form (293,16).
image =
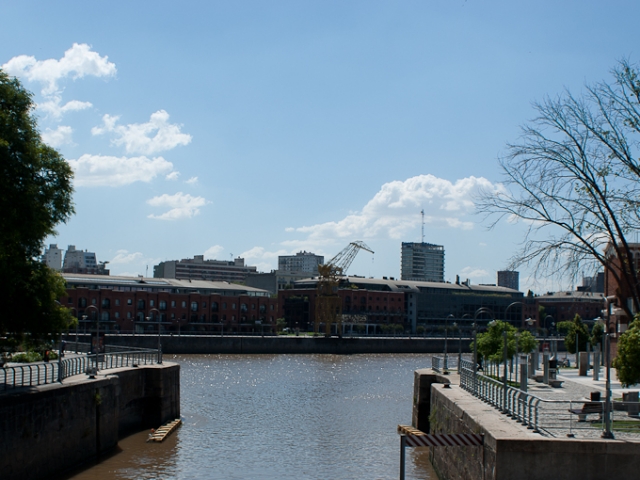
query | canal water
(279,417)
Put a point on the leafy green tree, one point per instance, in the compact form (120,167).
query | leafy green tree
(627,363)
(577,327)
(596,334)
(35,196)
(563,327)
(491,342)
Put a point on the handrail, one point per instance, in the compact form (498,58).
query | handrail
(42,373)
(550,417)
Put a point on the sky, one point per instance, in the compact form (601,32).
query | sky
(258,129)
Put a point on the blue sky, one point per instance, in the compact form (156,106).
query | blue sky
(259,128)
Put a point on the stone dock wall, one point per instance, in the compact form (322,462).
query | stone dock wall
(510,450)
(49,429)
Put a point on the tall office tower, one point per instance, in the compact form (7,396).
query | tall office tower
(422,262)
(509,279)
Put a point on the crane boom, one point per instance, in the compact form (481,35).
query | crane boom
(328,302)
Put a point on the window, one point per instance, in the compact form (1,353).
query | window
(173,316)
(224,305)
(253,306)
(82,302)
(194,306)
(117,300)
(141,304)
(162,304)
(204,304)
(214,306)
(128,314)
(173,304)
(151,303)
(243,307)
(129,301)
(93,301)
(69,300)
(184,304)
(117,314)
(233,306)
(271,307)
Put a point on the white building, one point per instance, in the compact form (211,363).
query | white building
(302,262)
(52,257)
(79,260)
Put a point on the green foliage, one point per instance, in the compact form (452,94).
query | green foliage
(26,357)
(596,334)
(563,327)
(36,191)
(491,342)
(579,328)
(627,363)
(420,329)
(280,324)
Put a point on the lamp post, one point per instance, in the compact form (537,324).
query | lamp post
(446,336)
(97,333)
(159,361)
(607,402)
(458,327)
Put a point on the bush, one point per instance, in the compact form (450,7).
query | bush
(27,357)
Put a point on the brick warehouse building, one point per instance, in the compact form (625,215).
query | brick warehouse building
(409,303)
(128,304)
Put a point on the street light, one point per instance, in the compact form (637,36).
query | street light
(159,322)
(97,333)
(607,403)
(446,336)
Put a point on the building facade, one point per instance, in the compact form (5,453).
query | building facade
(82,261)
(431,305)
(197,268)
(52,257)
(302,262)
(137,304)
(422,262)
(509,279)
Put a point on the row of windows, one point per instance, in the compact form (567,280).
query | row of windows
(162,305)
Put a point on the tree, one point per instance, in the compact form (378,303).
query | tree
(627,362)
(574,180)
(35,196)
(491,342)
(577,327)
(596,334)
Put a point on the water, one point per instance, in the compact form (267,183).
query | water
(281,417)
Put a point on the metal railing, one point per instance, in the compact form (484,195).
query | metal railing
(42,373)
(440,364)
(550,417)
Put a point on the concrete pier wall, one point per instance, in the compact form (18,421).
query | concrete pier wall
(48,429)
(510,450)
(203,344)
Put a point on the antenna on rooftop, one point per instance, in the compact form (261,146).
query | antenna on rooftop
(422,212)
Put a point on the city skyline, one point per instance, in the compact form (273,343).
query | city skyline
(256,130)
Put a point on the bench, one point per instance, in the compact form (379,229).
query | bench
(587,409)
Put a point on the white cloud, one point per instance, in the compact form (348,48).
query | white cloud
(263,259)
(474,273)
(212,253)
(395,210)
(192,181)
(53,108)
(124,257)
(98,170)
(155,136)
(58,137)
(79,61)
(181,206)
(173,175)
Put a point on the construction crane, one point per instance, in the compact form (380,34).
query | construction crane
(328,302)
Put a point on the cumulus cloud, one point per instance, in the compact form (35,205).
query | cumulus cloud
(173,176)
(180,206)
(212,253)
(474,273)
(53,108)
(148,138)
(99,170)
(192,181)
(124,257)
(79,61)
(262,258)
(394,210)
(58,137)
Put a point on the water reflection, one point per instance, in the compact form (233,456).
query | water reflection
(281,417)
